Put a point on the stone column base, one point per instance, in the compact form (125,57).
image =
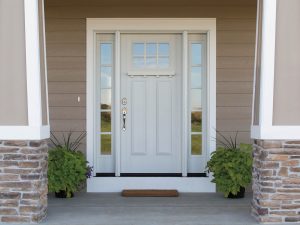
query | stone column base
(276,181)
(23,181)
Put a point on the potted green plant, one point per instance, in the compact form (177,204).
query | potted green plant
(231,166)
(67,167)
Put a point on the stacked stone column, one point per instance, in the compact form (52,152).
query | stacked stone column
(276,181)
(23,181)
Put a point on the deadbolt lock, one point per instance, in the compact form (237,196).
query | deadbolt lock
(124,101)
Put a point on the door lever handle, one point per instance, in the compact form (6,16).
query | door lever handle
(124,113)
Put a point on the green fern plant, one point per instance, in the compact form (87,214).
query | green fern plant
(66,170)
(67,167)
(231,165)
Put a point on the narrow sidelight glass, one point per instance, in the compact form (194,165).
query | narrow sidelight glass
(196,92)
(196,141)
(106,79)
(105,144)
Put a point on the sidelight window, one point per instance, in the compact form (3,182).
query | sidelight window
(105,68)
(197,106)
(196,96)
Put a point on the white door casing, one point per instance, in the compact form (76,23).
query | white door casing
(119,27)
(150,141)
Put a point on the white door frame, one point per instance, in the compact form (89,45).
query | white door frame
(150,25)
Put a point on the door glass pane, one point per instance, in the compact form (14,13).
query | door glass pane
(151,55)
(105,121)
(163,49)
(151,62)
(138,49)
(106,99)
(196,77)
(196,102)
(196,121)
(163,62)
(138,62)
(196,53)
(106,73)
(151,49)
(105,144)
(196,143)
(106,53)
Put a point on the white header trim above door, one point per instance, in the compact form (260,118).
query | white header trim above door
(148,25)
(157,25)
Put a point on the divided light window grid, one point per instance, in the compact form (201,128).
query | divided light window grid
(106,72)
(196,92)
(151,55)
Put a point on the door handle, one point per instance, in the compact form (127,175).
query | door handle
(124,113)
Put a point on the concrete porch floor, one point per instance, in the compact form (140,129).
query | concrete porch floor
(112,209)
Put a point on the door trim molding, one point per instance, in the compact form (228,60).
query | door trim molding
(156,25)
(185,108)
(148,25)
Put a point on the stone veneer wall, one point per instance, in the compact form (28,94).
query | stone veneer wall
(276,181)
(23,181)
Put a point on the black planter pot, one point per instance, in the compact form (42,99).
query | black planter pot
(240,194)
(63,194)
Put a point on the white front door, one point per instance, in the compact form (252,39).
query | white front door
(151,93)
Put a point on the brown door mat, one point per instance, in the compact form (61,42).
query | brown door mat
(150,193)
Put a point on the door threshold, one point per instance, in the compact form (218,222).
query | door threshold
(151,175)
(182,184)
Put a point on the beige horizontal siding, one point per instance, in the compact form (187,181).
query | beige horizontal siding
(234,87)
(67,113)
(241,125)
(236,25)
(234,62)
(87,11)
(66,51)
(71,62)
(245,37)
(68,125)
(235,50)
(232,74)
(67,99)
(151,3)
(230,100)
(233,112)
(66,87)
(68,74)
(73,36)
(60,25)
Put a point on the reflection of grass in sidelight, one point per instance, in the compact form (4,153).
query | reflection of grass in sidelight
(196,119)
(105,106)
(106,127)
(105,121)
(197,144)
(105,144)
